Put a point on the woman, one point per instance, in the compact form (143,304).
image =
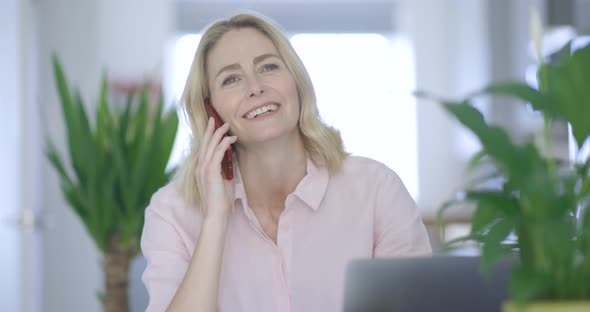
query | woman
(278,236)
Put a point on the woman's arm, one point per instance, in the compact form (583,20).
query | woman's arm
(198,290)
(399,230)
(177,281)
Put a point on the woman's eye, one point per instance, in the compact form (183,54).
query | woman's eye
(268,67)
(229,80)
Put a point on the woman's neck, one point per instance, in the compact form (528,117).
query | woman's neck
(270,172)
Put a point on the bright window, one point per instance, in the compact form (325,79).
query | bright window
(363,84)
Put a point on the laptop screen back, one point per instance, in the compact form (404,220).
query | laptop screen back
(440,283)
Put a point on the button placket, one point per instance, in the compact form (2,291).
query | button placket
(284,242)
(255,224)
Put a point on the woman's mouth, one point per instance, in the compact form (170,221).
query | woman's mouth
(261,111)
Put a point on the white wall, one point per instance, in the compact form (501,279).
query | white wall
(452,58)
(10,98)
(20,159)
(72,272)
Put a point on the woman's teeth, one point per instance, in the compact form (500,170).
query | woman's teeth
(261,110)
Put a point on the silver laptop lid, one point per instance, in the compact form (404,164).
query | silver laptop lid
(440,283)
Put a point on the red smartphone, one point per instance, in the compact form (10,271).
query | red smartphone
(227,164)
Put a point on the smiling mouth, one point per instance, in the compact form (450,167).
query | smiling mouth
(261,111)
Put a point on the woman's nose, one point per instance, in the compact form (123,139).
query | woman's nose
(255,88)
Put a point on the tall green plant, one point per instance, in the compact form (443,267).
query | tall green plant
(542,201)
(111,169)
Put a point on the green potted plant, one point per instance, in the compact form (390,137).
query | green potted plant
(539,210)
(112,167)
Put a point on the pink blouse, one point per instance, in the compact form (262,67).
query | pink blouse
(363,211)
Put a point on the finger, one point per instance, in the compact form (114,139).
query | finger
(217,156)
(203,149)
(215,140)
(206,138)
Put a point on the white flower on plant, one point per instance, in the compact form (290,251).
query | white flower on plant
(536,30)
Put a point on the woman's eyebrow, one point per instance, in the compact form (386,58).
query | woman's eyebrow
(263,57)
(228,67)
(256,60)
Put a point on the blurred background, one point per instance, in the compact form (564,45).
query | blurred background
(365,57)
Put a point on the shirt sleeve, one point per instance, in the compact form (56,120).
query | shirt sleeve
(399,230)
(167,257)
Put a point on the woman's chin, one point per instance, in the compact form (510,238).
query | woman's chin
(270,137)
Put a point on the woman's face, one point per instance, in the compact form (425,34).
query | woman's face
(252,88)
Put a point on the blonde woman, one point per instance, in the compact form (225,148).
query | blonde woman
(278,236)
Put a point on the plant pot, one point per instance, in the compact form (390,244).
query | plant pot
(548,306)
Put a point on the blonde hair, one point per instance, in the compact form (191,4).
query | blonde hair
(322,142)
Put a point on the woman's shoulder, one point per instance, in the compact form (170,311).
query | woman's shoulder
(364,167)
(169,204)
(365,173)
(170,226)
(165,197)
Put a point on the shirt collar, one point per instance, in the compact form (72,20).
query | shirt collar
(311,188)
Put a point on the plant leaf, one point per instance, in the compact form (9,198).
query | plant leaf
(567,84)
(103,160)
(526,283)
(523,92)
(492,249)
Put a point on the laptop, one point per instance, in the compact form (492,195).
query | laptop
(439,283)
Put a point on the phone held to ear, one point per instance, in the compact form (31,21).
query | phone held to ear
(227,164)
